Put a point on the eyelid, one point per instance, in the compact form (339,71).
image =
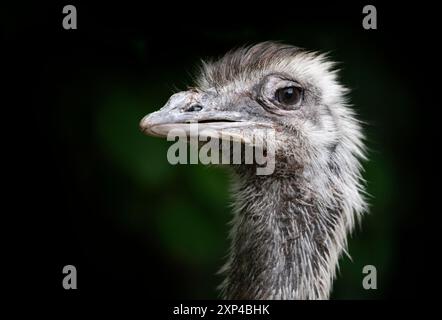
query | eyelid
(292,83)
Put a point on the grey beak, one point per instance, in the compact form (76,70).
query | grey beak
(206,109)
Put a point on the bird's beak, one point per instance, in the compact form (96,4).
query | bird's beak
(208,110)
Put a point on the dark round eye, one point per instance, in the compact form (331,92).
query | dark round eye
(288,95)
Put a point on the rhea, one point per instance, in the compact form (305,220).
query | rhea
(289,228)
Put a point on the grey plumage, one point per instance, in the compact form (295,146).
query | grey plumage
(290,228)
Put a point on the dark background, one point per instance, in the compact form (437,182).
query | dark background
(90,190)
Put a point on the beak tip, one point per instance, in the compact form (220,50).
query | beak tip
(144,124)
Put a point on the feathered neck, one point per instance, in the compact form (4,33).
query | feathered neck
(286,238)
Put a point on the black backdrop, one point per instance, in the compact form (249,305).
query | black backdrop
(51,206)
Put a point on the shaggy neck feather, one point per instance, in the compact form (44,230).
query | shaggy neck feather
(286,240)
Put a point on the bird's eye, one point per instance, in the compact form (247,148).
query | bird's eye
(288,95)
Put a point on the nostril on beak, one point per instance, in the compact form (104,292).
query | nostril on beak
(194,108)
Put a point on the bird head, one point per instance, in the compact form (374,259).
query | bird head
(268,86)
